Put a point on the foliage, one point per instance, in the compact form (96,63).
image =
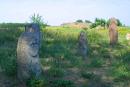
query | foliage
(120,71)
(62,83)
(36,18)
(103,23)
(87,21)
(93,25)
(58,55)
(87,75)
(99,22)
(119,23)
(79,21)
(8,43)
(10,67)
(11,25)
(33,82)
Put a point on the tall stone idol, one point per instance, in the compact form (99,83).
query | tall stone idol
(28,63)
(113,32)
(82,45)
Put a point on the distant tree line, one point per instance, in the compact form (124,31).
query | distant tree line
(104,23)
(11,25)
(99,22)
(81,21)
(35,18)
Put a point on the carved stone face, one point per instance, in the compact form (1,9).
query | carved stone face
(32,28)
(113,21)
(82,36)
(32,33)
(34,48)
(113,24)
(31,46)
(27,53)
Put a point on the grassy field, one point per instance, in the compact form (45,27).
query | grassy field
(104,67)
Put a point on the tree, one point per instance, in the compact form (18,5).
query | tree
(93,25)
(36,18)
(79,21)
(119,23)
(97,21)
(101,22)
(87,21)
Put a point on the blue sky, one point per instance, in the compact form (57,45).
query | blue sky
(56,12)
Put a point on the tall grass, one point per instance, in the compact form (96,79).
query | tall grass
(59,59)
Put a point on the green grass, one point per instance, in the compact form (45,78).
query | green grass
(62,83)
(63,67)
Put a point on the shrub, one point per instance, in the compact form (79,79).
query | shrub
(33,82)
(87,75)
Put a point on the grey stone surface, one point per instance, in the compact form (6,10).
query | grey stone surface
(82,45)
(28,62)
(113,32)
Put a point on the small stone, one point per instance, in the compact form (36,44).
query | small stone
(82,45)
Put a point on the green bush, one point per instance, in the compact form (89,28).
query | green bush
(33,82)
(87,75)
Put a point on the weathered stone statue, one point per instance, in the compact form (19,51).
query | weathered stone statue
(28,63)
(82,45)
(113,32)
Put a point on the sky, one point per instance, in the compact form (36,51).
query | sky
(56,12)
